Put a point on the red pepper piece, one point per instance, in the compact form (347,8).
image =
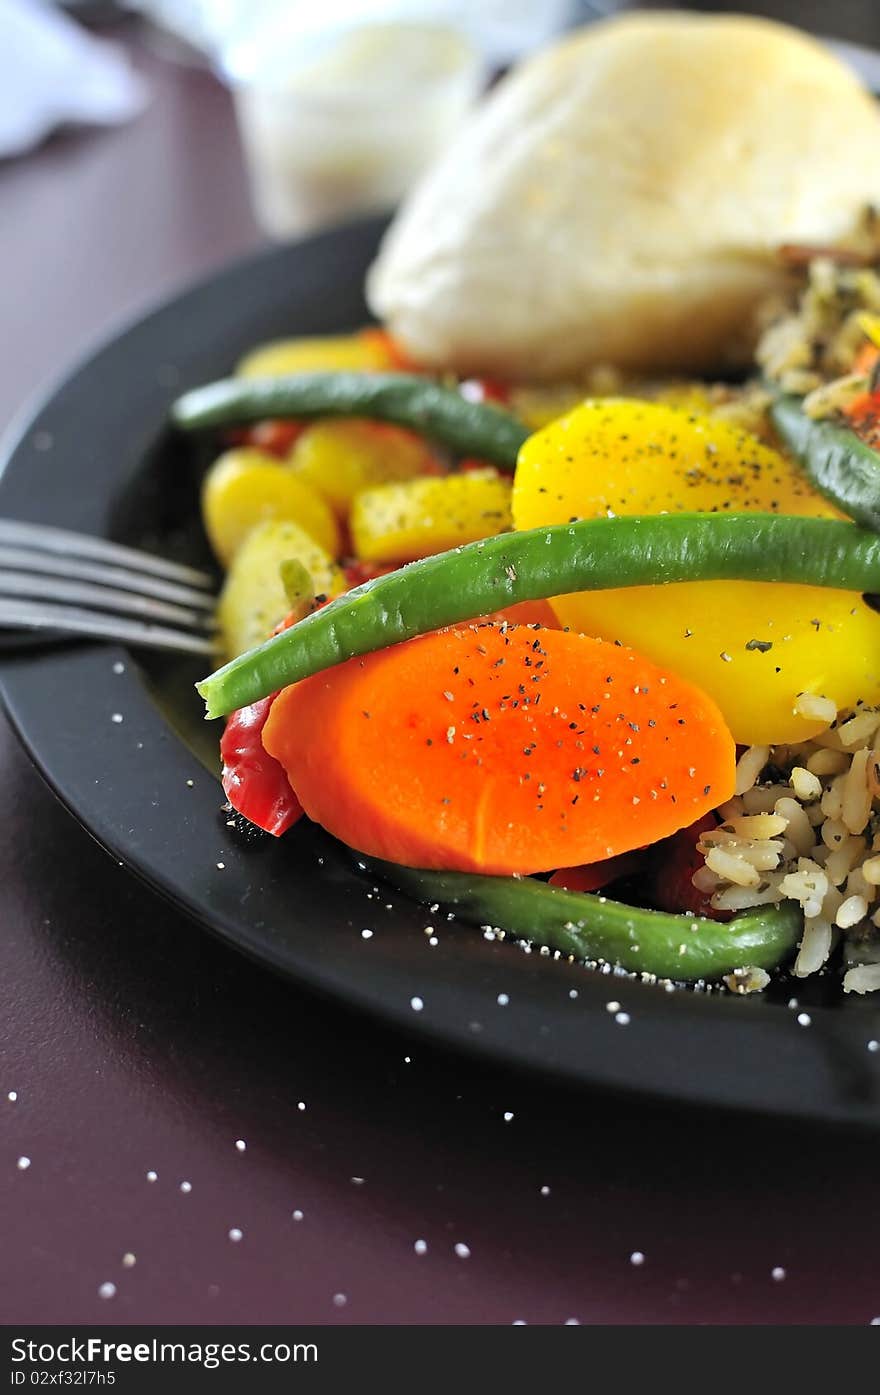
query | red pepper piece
(276,437)
(864,418)
(674,861)
(255,782)
(864,412)
(594,875)
(485,390)
(398,358)
(357,572)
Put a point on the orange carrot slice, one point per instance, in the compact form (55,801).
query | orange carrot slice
(501,749)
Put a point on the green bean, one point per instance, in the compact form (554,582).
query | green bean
(592,927)
(841,466)
(592,555)
(441,413)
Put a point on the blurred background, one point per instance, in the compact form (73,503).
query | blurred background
(337,106)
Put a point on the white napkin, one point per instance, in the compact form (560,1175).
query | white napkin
(54,71)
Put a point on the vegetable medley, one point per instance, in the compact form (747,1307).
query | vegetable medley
(596,665)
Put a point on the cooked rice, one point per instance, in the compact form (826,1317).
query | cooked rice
(810,834)
(835,396)
(748,979)
(813,337)
(810,341)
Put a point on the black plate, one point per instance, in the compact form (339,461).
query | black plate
(98,457)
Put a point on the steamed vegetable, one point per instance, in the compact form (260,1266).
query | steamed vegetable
(496,748)
(340,458)
(753,646)
(253,782)
(398,522)
(440,413)
(254,598)
(276,438)
(245,487)
(369,351)
(592,876)
(595,928)
(844,468)
(668,878)
(599,553)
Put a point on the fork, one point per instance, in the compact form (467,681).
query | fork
(55,580)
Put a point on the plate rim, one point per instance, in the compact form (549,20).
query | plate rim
(835,1032)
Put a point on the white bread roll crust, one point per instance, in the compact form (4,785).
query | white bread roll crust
(620,198)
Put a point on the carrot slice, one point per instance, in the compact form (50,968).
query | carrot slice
(500,749)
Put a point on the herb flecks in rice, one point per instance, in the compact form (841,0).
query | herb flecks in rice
(804,826)
(809,347)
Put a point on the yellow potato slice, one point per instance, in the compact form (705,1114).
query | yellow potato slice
(341,458)
(366,352)
(246,486)
(754,646)
(253,599)
(399,522)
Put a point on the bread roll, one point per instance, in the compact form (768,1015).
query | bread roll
(620,197)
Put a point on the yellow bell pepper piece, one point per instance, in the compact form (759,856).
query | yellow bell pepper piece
(253,599)
(244,487)
(869,324)
(370,351)
(341,458)
(754,646)
(399,522)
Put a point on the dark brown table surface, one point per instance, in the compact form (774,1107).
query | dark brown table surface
(132,1044)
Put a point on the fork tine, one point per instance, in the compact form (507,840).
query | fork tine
(66,543)
(25,559)
(40,615)
(37,587)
